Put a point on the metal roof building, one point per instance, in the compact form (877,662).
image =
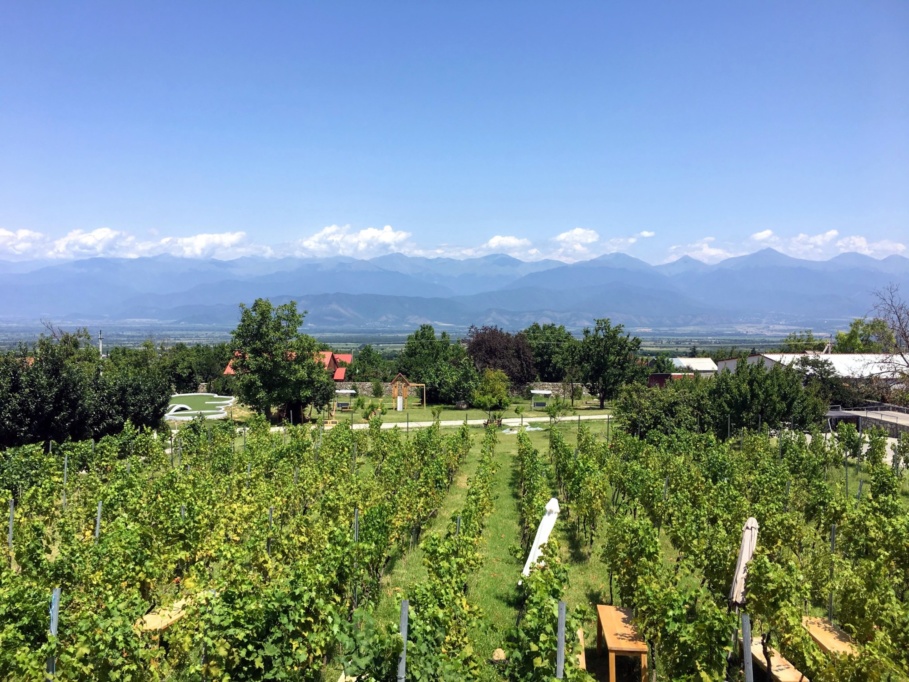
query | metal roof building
(702,366)
(845,365)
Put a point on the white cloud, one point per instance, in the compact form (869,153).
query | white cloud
(507,243)
(575,244)
(102,241)
(878,249)
(810,246)
(703,250)
(21,243)
(206,245)
(578,235)
(340,240)
(646,234)
(825,245)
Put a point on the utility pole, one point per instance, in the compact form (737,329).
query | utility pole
(100,344)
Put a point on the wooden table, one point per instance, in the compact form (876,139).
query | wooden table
(829,637)
(781,670)
(617,632)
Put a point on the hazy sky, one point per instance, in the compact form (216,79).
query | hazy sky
(565,129)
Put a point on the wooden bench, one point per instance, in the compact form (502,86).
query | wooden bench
(829,637)
(617,632)
(781,670)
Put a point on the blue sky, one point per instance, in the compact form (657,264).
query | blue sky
(551,129)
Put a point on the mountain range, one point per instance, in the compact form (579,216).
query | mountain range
(397,292)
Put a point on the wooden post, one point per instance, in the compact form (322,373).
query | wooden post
(402,662)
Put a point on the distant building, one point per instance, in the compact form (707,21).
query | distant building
(704,367)
(335,363)
(660,379)
(845,365)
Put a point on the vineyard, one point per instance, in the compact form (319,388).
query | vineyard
(287,555)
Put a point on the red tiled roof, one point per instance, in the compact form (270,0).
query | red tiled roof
(328,359)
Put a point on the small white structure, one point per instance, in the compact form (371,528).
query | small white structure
(342,402)
(704,367)
(538,398)
(542,537)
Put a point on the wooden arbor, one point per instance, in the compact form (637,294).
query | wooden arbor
(401,387)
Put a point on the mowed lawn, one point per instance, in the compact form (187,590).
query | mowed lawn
(416,413)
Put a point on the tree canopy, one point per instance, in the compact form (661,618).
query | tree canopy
(492,391)
(865,336)
(608,359)
(440,363)
(548,343)
(494,348)
(62,388)
(276,364)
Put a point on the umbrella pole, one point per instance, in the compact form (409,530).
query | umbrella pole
(746,647)
(731,654)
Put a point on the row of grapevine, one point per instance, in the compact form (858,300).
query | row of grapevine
(270,546)
(672,528)
(533,488)
(441,616)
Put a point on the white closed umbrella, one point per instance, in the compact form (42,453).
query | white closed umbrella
(746,551)
(547,523)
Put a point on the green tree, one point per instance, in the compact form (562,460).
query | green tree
(755,397)
(608,359)
(62,388)
(679,405)
(440,363)
(276,364)
(569,360)
(865,336)
(799,342)
(492,392)
(546,344)
(369,365)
